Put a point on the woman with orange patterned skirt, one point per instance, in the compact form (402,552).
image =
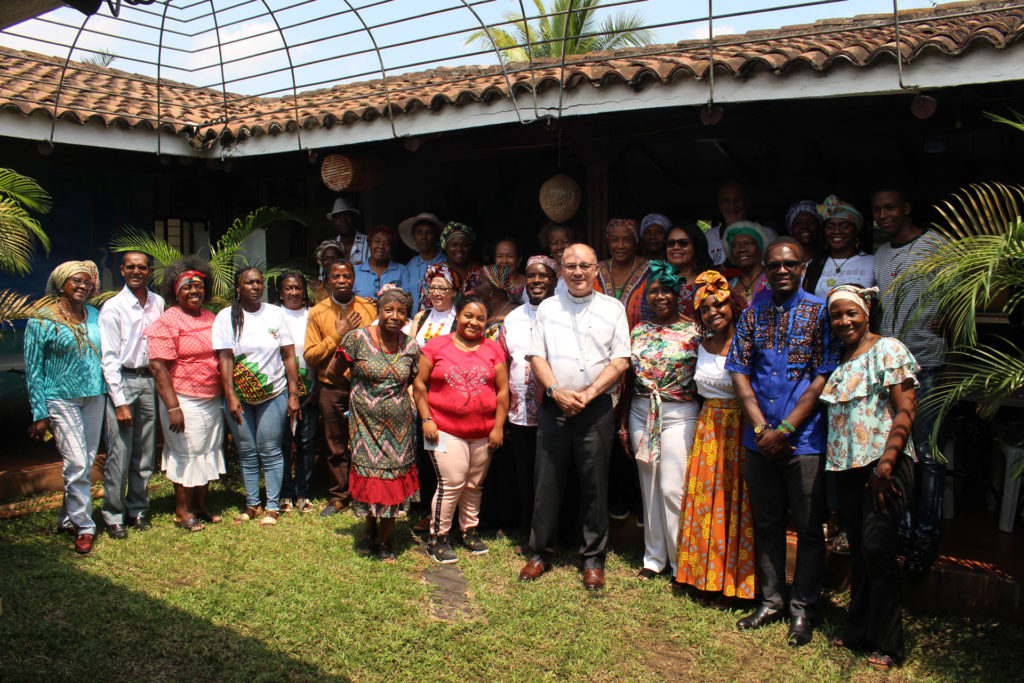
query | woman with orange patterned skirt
(716,536)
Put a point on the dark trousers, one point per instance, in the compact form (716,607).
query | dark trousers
(499,508)
(875,618)
(584,441)
(333,409)
(793,486)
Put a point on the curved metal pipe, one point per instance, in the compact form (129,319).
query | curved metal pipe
(529,54)
(291,70)
(561,74)
(383,72)
(63,72)
(501,62)
(159,63)
(220,59)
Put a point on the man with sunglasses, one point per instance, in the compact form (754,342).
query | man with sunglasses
(780,358)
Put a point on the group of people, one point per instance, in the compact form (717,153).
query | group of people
(742,372)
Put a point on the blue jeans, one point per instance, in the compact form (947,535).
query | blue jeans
(925,518)
(305,453)
(258,440)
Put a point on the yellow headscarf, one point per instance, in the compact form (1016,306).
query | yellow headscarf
(64,271)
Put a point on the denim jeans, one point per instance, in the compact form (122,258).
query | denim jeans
(924,519)
(305,452)
(258,440)
(76,424)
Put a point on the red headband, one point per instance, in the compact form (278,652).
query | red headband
(187,276)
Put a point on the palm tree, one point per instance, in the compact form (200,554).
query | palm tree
(225,256)
(566,27)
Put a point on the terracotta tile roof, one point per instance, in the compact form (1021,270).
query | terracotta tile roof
(117,98)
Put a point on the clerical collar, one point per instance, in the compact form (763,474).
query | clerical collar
(581,299)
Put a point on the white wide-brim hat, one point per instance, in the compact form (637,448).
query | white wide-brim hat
(406,226)
(340,206)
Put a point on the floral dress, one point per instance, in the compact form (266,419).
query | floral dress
(860,412)
(663,360)
(632,294)
(382,425)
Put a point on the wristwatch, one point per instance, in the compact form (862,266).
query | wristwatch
(761,428)
(550,391)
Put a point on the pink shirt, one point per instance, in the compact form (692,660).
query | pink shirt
(186,342)
(462,396)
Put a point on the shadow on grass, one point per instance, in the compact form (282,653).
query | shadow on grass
(92,629)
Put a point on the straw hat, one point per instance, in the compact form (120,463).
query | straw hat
(406,226)
(340,206)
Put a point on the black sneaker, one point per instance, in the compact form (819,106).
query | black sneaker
(440,551)
(471,540)
(140,523)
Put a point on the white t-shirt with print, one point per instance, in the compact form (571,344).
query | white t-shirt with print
(857,270)
(259,368)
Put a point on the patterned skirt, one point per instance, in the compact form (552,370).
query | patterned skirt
(716,534)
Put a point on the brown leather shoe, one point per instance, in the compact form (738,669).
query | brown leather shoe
(593,579)
(532,570)
(83,543)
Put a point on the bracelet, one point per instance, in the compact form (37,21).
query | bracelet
(786,427)
(174,408)
(426,420)
(294,393)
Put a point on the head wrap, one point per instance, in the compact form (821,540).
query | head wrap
(859,295)
(744,228)
(627,223)
(803,206)
(453,229)
(710,283)
(654,219)
(185,277)
(386,229)
(387,286)
(834,207)
(442,271)
(500,277)
(665,273)
(545,261)
(64,271)
(328,244)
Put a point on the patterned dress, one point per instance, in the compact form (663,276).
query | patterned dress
(716,534)
(382,424)
(632,294)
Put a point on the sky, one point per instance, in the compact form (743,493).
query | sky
(329,44)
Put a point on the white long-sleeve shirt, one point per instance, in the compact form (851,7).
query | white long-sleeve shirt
(122,321)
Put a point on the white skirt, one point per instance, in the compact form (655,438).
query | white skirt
(195,456)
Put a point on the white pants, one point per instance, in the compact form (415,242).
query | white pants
(77,424)
(662,483)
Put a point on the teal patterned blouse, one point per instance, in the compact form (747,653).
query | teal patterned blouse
(55,367)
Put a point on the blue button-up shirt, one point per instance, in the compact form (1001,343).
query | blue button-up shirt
(368,282)
(782,349)
(415,271)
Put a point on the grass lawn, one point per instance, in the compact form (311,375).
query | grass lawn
(296,603)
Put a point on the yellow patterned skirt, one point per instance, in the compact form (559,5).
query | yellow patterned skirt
(716,534)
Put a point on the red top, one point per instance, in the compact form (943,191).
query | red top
(186,342)
(461,396)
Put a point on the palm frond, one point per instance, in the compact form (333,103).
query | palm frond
(622,30)
(129,238)
(15,306)
(18,235)
(24,190)
(1017,121)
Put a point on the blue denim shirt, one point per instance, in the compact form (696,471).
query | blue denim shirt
(368,283)
(782,349)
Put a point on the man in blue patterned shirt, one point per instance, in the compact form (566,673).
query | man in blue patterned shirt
(780,358)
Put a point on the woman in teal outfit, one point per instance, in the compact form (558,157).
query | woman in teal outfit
(66,389)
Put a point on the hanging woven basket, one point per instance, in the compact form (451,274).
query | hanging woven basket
(560,198)
(351,172)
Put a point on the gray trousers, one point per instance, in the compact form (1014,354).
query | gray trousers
(129,453)
(793,486)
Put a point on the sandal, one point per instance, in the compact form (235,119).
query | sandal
(879,661)
(270,518)
(365,545)
(286,505)
(190,524)
(209,517)
(251,512)
(304,506)
(387,556)
(646,574)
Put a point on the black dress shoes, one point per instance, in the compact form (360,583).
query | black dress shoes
(117,531)
(140,523)
(800,631)
(762,616)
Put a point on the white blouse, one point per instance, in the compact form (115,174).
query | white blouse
(713,380)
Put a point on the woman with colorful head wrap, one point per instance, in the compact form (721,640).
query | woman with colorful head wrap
(803,223)
(870,398)
(495,288)
(716,531)
(184,367)
(457,242)
(326,253)
(66,389)
(745,242)
(624,275)
(654,229)
(842,262)
(506,253)
(659,412)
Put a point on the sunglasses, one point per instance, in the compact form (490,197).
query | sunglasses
(678,243)
(774,266)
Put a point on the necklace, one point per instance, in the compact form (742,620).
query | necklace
(839,266)
(611,276)
(70,316)
(430,332)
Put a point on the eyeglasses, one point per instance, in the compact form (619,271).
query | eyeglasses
(779,265)
(573,267)
(435,289)
(81,282)
(678,243)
